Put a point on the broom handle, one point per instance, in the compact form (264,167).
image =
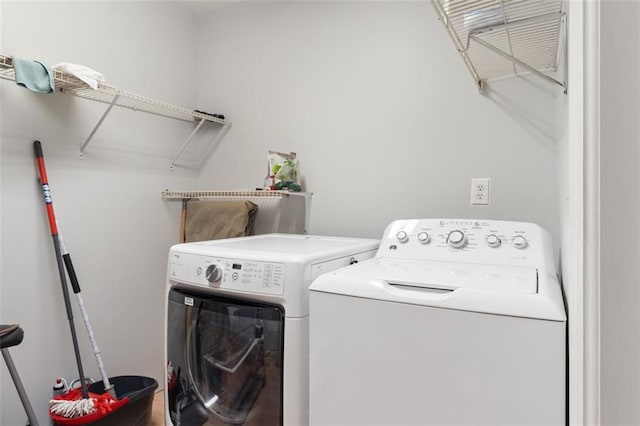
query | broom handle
(56,245)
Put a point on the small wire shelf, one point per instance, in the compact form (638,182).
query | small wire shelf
(498,38)
(205,194)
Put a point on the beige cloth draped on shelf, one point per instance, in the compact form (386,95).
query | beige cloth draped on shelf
(213,220)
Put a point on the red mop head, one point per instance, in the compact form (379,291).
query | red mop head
(71,409)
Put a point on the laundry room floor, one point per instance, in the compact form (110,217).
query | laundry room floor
(157,411)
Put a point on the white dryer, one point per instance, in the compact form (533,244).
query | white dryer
(454,322)
(237,321)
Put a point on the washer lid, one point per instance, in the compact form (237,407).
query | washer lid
(518,291)
(450,275)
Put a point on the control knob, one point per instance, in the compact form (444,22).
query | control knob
(456,239)
(213,273)
(519,242)
(493,241)
(402,237)
(424,238)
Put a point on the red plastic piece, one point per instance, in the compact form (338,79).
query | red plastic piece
(104,404)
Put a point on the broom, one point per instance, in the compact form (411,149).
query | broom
(74,404)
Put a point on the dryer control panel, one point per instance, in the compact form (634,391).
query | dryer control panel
(466,240)
(230,274)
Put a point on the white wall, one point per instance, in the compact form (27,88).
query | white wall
(116,226)
(620,210)
(383,114)
(372,96)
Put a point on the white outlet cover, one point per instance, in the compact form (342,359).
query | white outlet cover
(480,191)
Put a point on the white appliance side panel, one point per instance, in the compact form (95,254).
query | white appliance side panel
(379,363)
(296,372)
(320,268)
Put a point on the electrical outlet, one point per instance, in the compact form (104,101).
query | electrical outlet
(480,194)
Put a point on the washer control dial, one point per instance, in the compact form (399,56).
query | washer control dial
(213,274)
(402,237)
(519,242)
(424,238)
(456,239)
(493,241)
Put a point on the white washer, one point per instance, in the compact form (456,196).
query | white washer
(453,322)
(237,321)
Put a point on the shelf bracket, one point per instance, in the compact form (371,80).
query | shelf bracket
(518,62)
(532,31)
(473,35)
(95,129)
(184,145)
(458,44)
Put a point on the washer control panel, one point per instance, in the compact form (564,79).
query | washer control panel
(231,274)
(466,240)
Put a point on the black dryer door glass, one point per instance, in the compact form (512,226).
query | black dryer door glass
(226,360)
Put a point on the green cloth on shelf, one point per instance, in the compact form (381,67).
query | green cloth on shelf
(33,75)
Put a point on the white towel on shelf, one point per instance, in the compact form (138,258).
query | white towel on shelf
(84,73)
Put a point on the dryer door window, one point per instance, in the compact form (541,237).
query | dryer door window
(225,360)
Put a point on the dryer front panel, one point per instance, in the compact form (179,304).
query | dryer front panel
(225,360)
(228,274)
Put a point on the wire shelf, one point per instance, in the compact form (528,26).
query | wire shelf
(69,84)
(498,38)
(205,194)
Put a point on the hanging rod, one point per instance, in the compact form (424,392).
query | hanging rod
(69,84)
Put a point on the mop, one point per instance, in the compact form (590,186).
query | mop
(72,404)
(77,406)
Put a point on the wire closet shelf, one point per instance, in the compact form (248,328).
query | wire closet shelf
(104,93)
(498,38)
(205,194)
(277,209)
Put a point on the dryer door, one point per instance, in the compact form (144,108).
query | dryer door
(226,360)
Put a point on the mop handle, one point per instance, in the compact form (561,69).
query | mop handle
(44,181)
(73,278)
(45,188)
(85,316)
